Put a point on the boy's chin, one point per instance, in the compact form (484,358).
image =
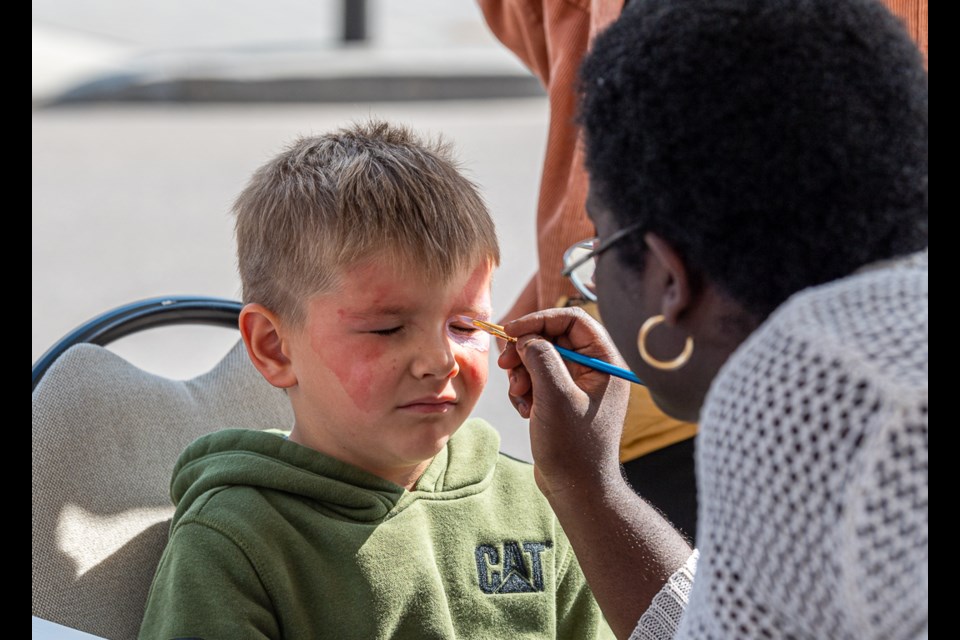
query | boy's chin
(427,448)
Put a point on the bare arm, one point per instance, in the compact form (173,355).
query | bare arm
(626,548)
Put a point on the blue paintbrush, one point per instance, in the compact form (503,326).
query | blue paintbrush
(573,356)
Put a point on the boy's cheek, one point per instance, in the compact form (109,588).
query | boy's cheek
(477,341)
(357,367)
(474,370)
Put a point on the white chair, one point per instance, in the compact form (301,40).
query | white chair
(106,435)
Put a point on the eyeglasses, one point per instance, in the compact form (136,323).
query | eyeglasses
(580,261)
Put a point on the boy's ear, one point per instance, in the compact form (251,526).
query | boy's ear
(262,335)
(676,293)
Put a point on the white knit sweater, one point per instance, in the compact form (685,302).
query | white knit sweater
(812,473)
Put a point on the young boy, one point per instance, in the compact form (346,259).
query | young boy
(386,513)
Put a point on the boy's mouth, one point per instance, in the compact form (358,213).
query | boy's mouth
(430,404)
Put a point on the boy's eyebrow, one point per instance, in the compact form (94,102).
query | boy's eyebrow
(478,312)
(388,310)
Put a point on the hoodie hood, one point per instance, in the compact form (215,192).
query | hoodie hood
(267,460)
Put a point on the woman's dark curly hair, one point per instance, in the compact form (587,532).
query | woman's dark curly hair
(776,144)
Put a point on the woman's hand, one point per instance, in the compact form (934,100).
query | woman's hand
(576,413)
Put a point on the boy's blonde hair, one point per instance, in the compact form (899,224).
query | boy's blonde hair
(330,200)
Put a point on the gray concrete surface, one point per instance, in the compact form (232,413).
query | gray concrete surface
(149,118)
(133,202)
(280,51)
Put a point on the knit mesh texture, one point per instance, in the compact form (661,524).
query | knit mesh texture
(812,466)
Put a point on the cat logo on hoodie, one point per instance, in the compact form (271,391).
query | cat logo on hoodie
(517,569)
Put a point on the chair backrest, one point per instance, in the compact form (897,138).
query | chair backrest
(106,435)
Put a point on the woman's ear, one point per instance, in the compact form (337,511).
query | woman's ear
(263,337)
(677,293)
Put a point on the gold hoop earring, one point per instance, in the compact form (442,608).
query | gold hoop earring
(663,365)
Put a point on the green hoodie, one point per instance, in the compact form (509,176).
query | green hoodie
(272,539)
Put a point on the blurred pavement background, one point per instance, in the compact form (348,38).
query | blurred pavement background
(149,118)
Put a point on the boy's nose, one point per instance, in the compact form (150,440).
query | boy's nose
(436,358)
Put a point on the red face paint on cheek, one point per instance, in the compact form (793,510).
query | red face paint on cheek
(474,372)
(355,366)
(476,377)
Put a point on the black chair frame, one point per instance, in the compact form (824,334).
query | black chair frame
(137,316)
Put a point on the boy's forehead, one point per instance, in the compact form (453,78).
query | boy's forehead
(390,265)
(381,286)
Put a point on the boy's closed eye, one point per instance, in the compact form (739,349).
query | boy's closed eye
(388,331)
(457,326)
(463,328)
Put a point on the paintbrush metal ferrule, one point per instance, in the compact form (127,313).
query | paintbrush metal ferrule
(567,354)
(493,329)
